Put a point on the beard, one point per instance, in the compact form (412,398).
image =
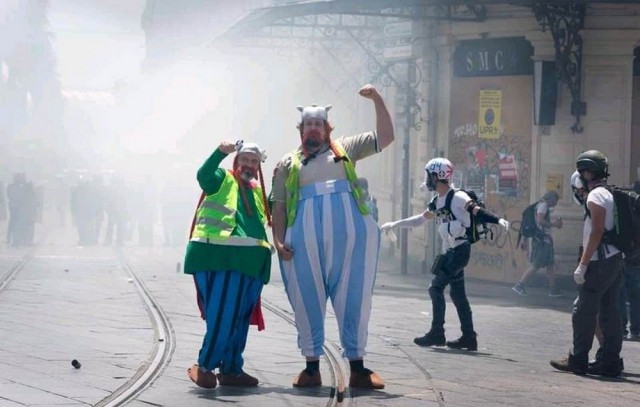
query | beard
(312,139)
(247,173)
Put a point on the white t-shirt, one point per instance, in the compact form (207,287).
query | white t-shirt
(451,230)
(603,198)
(542,208)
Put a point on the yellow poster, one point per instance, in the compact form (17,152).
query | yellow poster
(490,107)
(555,182)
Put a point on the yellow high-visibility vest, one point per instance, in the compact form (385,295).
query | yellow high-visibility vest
(293,183)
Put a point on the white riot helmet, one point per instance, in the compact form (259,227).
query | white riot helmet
(576,186)
(437,169)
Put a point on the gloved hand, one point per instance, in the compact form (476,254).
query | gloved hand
(578,275)
(504,223)
(387,226)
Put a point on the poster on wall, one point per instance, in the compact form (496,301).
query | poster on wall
(555,182)
(489,111)
(492,153)
(491,145)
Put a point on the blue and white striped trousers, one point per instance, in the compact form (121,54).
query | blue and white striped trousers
(335,255)
(228,298)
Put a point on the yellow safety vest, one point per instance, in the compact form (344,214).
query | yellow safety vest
(293,183)
(216,216)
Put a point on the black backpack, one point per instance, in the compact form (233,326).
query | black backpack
(528,225)
(476,230)
(625,234)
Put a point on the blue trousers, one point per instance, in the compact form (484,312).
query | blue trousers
(228,299)
(335,257)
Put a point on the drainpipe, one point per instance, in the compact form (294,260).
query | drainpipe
(432,128)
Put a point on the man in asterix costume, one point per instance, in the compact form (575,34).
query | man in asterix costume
(230,259)
(326,239)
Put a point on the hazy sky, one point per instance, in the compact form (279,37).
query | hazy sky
(189,105)
(97,42)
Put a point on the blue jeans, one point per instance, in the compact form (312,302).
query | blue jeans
(452,273)
(630,292)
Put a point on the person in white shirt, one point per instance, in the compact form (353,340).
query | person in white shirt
(598,275)
(542,250)
(453,218)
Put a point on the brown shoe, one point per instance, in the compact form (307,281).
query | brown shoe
(241,380)
(202,378)
(306,380)
(569,364)
(366,380)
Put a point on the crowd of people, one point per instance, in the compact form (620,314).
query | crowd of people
(326,237)
(102,209)
(23,209)
(327,242)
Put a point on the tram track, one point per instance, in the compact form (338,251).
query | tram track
(163,347)
(164,342)
(164,337)
(16,268)
(425,373)
(339,390)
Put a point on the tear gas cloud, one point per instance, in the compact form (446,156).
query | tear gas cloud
(125,116)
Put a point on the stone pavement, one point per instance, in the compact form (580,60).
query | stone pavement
(78,303)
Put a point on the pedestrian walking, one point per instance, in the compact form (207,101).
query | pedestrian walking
(542,250)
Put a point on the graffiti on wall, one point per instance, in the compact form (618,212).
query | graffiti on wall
(498,171)
(499,166)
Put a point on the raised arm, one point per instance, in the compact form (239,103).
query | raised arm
(384,125)
(410,222)
(210,175)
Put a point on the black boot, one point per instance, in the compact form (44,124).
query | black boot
(468,342)
(430,339)
(608,369)
(598,359)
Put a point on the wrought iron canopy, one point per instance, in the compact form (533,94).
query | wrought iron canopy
(289,20)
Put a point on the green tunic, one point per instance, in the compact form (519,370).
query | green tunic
(252,261)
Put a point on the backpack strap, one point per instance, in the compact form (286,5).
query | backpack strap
(447,207)
(447,202)
(603,246)
(432,204)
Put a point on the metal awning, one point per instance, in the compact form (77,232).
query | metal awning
(287,20)
(318,21)
(336,25)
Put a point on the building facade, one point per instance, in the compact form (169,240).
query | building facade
(510,91)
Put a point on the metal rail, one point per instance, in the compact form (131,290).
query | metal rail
(14,270)
(339,389)
(164,346)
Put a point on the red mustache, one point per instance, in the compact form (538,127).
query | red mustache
(247,170)
(312,135)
